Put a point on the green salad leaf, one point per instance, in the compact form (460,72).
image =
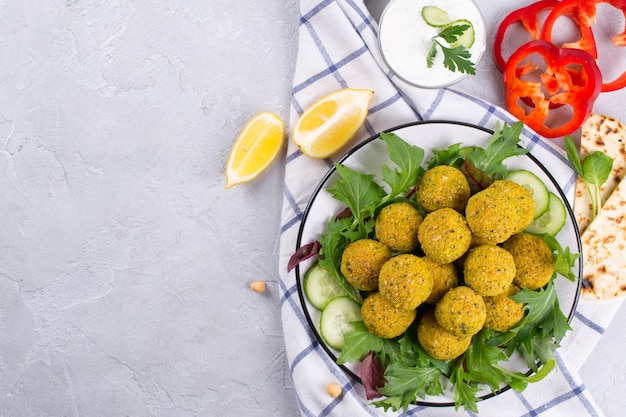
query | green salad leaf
(359,342)
(594,170)
(482,166)
(333,242)
(564,259)
(479,360)
(360,193)
(408,159)
(465,390)
(503,144)
(411,373)
(543,324)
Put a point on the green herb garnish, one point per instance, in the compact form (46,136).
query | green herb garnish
(482,165)
(594,170)
(457,58)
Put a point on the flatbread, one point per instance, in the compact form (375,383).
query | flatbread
(607,135)
(604,247)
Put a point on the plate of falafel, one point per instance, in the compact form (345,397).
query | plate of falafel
(434,273)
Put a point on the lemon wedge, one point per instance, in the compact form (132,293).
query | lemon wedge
(328,124)
(256,147)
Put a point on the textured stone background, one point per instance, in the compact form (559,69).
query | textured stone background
(124,263)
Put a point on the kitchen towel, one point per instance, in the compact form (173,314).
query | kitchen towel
(338,49)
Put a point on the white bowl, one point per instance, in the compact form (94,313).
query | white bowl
(405,38)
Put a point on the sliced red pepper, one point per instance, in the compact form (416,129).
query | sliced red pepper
(528,16)
(551,83)
(583,14)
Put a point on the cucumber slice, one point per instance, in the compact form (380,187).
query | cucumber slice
(467,38)
(435,17)
(336,320)
(552,221)
(320,286)
(538,189)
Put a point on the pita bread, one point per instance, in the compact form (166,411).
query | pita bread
(604,247)
(607,135)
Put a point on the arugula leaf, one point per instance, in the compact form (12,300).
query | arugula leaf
(358,343)
(594,170)
(482,165)
(454,58)
(413,354)
(564,260)
(518,381)
(452,155)
(503,145)
(543,324)
(360,193)
(333,244)
(408,159)
(539,303)
(465,390)
(410,373)
(390,352)
(390,402)
(408,382)
(557,324)
(481,356)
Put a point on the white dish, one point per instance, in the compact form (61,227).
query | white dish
(405,38)
(369,157)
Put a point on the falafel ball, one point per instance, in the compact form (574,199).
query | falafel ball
(397,225)
(361,262)
(524,203)
(444,235)
(534,260)
(442,186)
(444,277)
(492,216)
(437,342)
(384,319)
(406,281)
(503,313)
(461,311)
(489,269)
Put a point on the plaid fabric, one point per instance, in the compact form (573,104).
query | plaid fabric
(338,49)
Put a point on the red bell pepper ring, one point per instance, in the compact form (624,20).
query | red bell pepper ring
(583,14)
(528,16)
(551,83)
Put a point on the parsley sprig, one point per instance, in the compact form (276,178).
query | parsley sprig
(457,58)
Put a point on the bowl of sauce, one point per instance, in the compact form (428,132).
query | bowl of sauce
(407,36)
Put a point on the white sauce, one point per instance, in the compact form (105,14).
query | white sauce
(405,40)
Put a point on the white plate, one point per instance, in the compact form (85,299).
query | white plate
(370,156)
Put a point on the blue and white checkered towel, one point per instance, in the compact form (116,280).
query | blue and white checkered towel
(338,49)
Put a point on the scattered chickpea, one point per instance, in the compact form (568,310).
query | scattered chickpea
(334,389)
(258,286)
